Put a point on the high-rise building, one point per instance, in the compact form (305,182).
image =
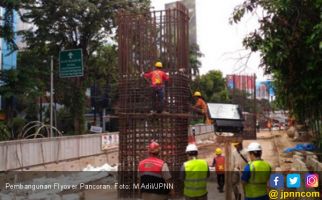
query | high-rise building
(8,58)
(191,5)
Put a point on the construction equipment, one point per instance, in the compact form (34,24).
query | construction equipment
(227,117)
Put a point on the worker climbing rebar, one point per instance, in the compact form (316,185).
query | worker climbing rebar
(157,78)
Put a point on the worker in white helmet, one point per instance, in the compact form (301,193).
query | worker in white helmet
(256,174)
(194,172)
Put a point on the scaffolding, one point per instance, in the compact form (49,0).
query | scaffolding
(142,40)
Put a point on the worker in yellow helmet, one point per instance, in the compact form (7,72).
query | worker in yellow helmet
(219,164)
(157,78)
(201,107)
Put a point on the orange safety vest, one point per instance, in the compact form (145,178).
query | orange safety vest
(201,104)
(220,164)
(152,166)
(157,77)
(150,172)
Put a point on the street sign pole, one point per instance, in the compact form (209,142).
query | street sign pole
(51,94)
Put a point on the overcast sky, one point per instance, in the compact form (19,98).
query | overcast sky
(220,42)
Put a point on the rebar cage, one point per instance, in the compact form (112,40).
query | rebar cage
(144,39)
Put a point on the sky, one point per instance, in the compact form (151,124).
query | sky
(221,42)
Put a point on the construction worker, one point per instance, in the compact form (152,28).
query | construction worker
(153,170)
(201,107)
(256,174)
(269,125)
(238,162)
(194,173)
(219,164)
(157,78)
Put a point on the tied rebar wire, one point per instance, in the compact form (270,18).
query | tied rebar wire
(144,39)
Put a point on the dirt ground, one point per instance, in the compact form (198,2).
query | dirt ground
(273,144)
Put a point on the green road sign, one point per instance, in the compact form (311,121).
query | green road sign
(71,63)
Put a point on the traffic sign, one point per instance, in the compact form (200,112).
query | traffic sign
(71,63)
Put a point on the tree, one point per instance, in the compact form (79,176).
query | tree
(22,87)
(7,27)
(288,39)
(84,24)
(212,86)
(103,79)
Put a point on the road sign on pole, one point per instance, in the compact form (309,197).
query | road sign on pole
(71,63)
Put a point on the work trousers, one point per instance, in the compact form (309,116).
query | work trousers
(237,189)
(204,197)
(221,181)
(157,99)
(150,196)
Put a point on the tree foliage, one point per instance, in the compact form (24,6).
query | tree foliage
(104,76)
(7,27)
(87,25)
(288,40)
(22,87)
(212,86)
(194,59)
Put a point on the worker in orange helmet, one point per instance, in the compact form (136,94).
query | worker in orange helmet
(201,107)
(219,164)
(153,171)
(158,78)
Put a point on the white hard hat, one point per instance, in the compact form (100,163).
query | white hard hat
(191,147)
(254,146)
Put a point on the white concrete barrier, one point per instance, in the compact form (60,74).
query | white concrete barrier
(19,154)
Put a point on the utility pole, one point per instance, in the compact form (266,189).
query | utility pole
(51,93)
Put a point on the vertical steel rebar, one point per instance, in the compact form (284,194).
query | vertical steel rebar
(143,39)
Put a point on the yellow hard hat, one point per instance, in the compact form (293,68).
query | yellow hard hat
(218,151)
(158,64)
(197,94)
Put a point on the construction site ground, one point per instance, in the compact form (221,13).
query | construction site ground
(273,144)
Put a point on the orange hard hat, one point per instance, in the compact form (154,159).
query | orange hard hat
(153,147)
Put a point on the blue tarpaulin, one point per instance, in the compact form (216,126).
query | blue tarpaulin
(300,147)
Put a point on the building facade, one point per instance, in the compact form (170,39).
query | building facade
(8,58)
